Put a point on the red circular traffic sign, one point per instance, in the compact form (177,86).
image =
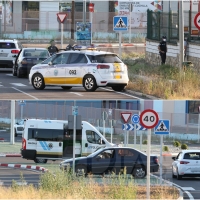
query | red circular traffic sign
(197,20)
(149,118)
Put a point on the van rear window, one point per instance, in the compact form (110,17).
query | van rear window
(7,45)
(107,58)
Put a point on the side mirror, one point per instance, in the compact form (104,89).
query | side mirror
(14,56)
(86,144)
(50,63)
(173,158)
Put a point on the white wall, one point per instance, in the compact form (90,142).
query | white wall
(48,17)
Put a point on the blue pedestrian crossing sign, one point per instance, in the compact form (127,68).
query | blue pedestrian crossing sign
(120,23)
(163,127)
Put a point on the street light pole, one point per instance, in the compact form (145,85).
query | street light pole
(181,35)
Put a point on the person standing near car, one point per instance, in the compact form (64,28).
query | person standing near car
(162,47)
(52,49)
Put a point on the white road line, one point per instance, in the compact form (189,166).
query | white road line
(9,74)
(17,84)
(25,93)
(76,93)
(187,188)
(121,93)
(189,195)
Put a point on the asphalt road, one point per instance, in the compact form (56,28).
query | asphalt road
(12,88)
(190,186)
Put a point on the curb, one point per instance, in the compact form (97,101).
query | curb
(10,155)
(29,167)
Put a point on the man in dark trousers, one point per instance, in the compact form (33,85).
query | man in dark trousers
(162,47)
(52,49)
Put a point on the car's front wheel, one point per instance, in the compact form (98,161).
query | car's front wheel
(18,73)
(139,172)
(81,170)
(173,176)
(118,88)
(89,83)
(38,82)
(38,160)
(179,177)
(66,87)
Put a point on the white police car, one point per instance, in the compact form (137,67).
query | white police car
(87,68)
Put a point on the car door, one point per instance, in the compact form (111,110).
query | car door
(55,74)
(17,61)
(126,160)
(75,70)
(176,163)
(104,162)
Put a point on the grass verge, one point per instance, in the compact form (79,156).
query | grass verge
(63,185)
(164,81)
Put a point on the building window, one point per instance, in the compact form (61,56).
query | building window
(192,110)
(30,6)
(79,6)
(64,7)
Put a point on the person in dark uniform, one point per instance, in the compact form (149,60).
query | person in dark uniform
(52,49)
(162,47)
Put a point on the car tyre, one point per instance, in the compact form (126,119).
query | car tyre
(179,177)
(139,172)
(89,83)
(118,88)
(173,176)
(38,160)
(38,82)
(14,72)
(66,87)
(81,170)
(18,74)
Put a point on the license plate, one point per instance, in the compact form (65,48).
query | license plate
(117,67)
(3,54)
(195,170)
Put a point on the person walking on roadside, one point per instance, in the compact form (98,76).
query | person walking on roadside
(162,47)
(52,49)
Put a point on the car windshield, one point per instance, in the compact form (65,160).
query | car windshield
(106,58)
(40,53)
(21,122)
(95,153)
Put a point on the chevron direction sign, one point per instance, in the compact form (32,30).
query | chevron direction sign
(130,127)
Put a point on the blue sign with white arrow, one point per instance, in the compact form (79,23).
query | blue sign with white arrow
(130,127)
(162,128)
(135,119)
(120,23)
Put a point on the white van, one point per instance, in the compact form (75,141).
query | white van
(44,140)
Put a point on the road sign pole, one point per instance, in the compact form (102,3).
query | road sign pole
(198,127)
(141,140)
(148,162)
(161,158)
(135,132)
(74,139)
(104,128)
(61,35)
(130,22)
(12,132)
(111,132)
(127,138)
(21,111)
(120,44)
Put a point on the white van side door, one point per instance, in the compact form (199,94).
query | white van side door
(91,142)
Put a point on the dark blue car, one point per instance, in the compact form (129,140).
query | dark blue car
(113,159)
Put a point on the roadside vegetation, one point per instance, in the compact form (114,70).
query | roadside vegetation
(165,82)
(62,185)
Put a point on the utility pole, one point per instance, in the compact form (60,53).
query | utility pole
(181,35)
(72,21)
(84,11)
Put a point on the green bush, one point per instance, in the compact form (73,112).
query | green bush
(144,142)
(165,148)
(176,144)
(184,146)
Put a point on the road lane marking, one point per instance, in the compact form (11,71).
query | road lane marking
(24,93)
(17,84)
(189,195)
(76,93)
(9,74)
(187,188)
(121,93)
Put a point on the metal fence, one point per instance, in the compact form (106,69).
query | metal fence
(167,23)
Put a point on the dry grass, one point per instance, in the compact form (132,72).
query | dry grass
(165,82)
(63,185)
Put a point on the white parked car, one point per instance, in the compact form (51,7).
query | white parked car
(186,164)
(19,128)
(74,68)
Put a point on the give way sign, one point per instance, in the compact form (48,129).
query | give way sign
(197,20)
(149,118)
(61,17)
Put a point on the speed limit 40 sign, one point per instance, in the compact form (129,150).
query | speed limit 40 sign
(149,118)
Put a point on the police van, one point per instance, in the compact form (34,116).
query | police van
(80,68)
(44,140)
